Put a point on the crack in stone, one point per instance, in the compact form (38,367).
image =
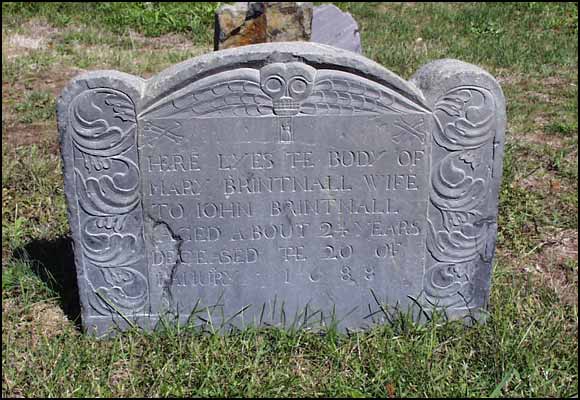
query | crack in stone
(167,294)
(486,251)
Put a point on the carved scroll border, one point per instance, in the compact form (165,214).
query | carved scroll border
(104,201)
(461,221)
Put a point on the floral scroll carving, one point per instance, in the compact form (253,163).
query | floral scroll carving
(103,131)
(457,237)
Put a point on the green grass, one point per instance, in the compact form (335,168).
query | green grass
(529,345)
(37,106)
(151,19)
(32,197)
(527,338)
(519,36)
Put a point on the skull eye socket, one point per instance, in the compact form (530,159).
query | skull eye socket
(274,84)
(298,85)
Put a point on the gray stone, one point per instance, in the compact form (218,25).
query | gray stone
(286,184)
(335,28)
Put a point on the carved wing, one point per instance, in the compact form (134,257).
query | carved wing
(341,93)
(221,95)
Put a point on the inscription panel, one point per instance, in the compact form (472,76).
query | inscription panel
(321,220)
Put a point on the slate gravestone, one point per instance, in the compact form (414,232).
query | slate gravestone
(280,184)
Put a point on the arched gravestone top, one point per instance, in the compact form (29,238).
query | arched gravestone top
(285,184)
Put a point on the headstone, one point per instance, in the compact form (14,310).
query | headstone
(285,184)
(245,23)
(335,28)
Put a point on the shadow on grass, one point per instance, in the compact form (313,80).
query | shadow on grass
(53,262)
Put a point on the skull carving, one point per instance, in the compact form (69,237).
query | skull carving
(288,84)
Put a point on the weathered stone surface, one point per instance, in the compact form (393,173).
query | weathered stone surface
(335,28)
(280,184)
(245,23)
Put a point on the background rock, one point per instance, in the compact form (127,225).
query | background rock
(247,23)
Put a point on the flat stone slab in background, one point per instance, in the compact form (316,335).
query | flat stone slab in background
(335,28)
(282,184)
